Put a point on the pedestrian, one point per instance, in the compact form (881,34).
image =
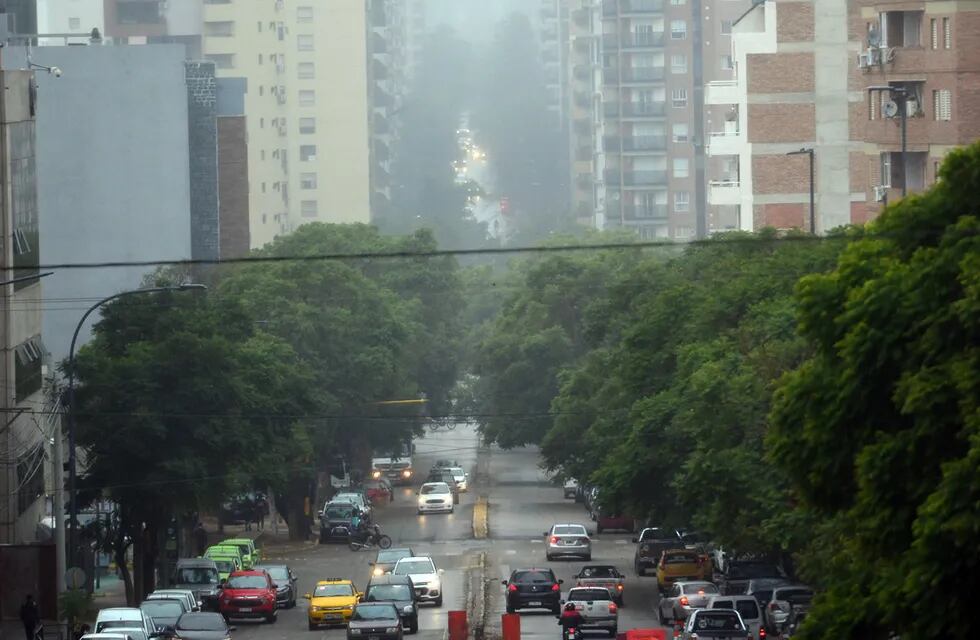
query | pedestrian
(200,538)
(30,616)
(260,512)
(249,509)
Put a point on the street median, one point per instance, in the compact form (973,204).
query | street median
(481,524)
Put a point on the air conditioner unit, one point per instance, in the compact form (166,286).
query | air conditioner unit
(881,192)
(864,61)
(911,108)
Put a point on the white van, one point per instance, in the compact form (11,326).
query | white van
(123,617)
(747,607)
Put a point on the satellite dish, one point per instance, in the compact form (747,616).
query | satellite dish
(890,109)
(874,36)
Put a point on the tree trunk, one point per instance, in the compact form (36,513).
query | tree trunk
(120,547)
(138,545)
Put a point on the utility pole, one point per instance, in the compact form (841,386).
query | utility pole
(58,463)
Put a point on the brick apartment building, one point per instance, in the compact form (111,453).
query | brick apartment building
(835,81)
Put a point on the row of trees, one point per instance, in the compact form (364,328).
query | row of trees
(186,399)
(811,398)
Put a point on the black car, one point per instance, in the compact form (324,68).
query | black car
(202,626)
(335,522)
(399,591)
(387,558)
(285,581)
(738,574)
(533,589)
(199,575)
(375,620)
(444,475)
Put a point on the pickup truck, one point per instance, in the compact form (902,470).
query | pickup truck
(716,624)
(651,543)
(596,607)
(604,576)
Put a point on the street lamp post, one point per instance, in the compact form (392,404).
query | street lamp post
(813,215)
(72,468)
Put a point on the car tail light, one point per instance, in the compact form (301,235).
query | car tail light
(612,607)
(762,633)
(684,601)
(554,539)
(619,587)
(512,588)
(555,587)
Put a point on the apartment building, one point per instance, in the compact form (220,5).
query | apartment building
(796,97)
(636,69)
(552,25)
(919,58)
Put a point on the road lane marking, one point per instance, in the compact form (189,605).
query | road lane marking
(511,552)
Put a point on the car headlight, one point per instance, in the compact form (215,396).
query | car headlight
(376,475)
(391,630)
(407,609)
(378,571)
(355,632)
(314,609)
(406,473)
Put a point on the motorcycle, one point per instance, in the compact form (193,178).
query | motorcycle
(572,633)
(369,539)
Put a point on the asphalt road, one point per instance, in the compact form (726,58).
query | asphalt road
(522,504)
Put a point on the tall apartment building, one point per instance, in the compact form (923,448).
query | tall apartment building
(636,72)
(926,54)
(552,27)
(796,87)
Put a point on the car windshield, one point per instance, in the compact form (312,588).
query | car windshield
(197,575)
(393,555)
(700,587)
(680,558)
(650,535)
(599,572)
(116,624)
(457,472)
(248,582)
(794,596)
(717,620)
(333,590)
(569,530)
(135,633)
(276,573)
(201,622)
(383,592)
(588,595)
(409,567)
(434,488)
(162,609)
(374,612)
(528,577)
(339,512)
(224,566)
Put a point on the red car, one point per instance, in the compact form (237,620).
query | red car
(248,594)
(379,491)
(608,521)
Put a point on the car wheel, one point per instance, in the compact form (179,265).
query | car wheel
(439,601)
(511,609)
(588,557)
(557,610)
(613,632)
(310,625)
(549,557)
(413,626)
(272,617)
(660,616)
(420,512)
(598,528)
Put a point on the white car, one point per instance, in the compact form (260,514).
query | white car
(460,477)
(570,488)
(435,497)
(114,618)
(172,594)
(747,607)
(426,578)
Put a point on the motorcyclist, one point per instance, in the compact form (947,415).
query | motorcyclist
(570,619)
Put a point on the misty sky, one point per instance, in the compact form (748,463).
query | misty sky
(474,19)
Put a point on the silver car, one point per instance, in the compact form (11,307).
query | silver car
(568,540)
(784,600)
(683,597)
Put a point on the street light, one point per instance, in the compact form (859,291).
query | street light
(813,218)
(901,96)
(72,469)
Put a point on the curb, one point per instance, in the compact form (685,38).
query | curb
(481,525)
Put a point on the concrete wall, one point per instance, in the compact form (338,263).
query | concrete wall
(112,166)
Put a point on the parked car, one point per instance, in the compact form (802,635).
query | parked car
(335,521)
(605,576)
(435,497)
(568,540)
(399,591)
(784,600)
(248,594)
(682,598)
(533,589)
(747,608)
(108,620)
(201,576)
(650,545)
(387,558)
(164,611)
(332,602)
(597,609)
(375,620)
(246,547)
(188,597)
(680,564)
(203,626)
(379,491)
(285,581)
(738,573)
(570,487)
(356,498)
(606,520)
(715,624)
(426,579)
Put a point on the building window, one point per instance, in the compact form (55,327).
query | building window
(307,152)
(910,174)
(304,43)
(726,27)
(222,60)
(678,63)
(307,98)
(307,125)
(678,98)
(307,181)
(684,232)
(682,201)
(942,105)
(304,14)
(726,62)
(933,33)
(74,24)
(678,3)
(30,478)
(138,13)
(901,28)
(682,168)
(223,29)
(23,203)
(306,70)
(679,132)
(947,34)
(308,209)
(27,368)
(678,29)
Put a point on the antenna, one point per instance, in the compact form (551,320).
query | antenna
(889,109)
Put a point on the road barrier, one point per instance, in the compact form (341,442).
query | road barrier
(458,626)
(510,626)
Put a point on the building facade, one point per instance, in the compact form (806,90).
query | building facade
(25,435)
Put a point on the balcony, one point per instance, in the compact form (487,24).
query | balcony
(633,40)
(724,192)
(725,143)
(642,212)
(624,7)
(631,75)
(637,110)
(635,143)
(722,92)
(636,178)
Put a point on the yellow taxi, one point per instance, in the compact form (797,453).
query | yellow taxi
(332,602)
(681,564)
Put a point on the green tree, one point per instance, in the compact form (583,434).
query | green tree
(879,429)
